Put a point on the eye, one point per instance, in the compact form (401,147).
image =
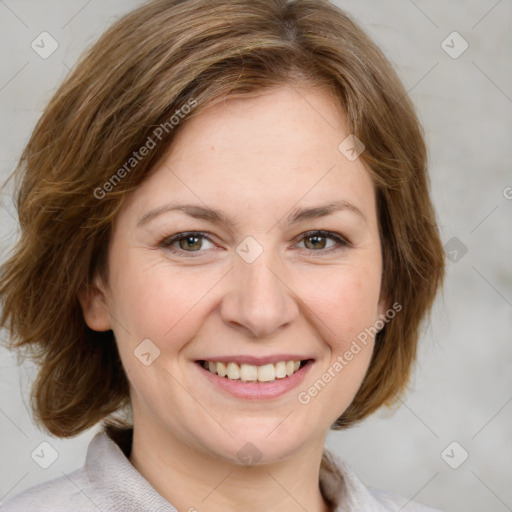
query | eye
(187,242)
(316,241)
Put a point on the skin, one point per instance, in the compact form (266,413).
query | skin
(255,159)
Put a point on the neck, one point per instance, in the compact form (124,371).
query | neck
(193,480)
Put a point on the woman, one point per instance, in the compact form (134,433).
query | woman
(228,247)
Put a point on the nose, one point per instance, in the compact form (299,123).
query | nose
(259,301)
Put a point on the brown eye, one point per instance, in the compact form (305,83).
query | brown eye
(186,242)
(190,242)
(318,242)
(315,242)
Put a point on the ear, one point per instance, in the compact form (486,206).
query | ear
(382,310)
(94,306)
(382,307)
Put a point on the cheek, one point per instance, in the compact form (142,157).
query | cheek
(346,310)
(156,301)
(346,302)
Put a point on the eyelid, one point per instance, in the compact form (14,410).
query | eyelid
(169,240)
(341,242)
(324,233)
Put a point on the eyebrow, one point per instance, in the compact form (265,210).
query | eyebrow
(218,217)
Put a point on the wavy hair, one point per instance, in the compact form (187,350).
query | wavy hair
(141,72)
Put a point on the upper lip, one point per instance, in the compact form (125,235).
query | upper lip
(257,361)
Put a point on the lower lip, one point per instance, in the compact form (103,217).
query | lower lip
(257,390)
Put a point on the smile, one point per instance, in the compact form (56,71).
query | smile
(252,381)
(252,373)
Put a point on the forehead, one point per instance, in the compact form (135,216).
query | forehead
(265,154)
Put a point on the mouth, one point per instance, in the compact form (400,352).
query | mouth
(252,381)
(244,372)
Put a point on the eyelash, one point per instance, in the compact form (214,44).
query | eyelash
(341,242)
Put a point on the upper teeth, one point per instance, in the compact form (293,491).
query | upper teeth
(251,372)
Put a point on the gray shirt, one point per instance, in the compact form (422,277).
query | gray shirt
(109,482)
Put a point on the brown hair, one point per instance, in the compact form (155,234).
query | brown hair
(140,73)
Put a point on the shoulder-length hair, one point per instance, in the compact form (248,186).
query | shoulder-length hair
(144,70)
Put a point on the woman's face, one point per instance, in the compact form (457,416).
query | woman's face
(254,283)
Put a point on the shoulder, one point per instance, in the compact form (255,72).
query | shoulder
(391,501)
(345,489)
(106,482)
(53,496)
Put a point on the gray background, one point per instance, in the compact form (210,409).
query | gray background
(462,387)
